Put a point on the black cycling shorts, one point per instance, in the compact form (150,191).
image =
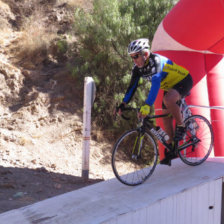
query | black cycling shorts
(183,87)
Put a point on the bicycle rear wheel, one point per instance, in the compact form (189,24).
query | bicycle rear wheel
(199,132)
(134,157)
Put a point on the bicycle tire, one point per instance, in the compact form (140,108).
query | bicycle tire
(198,130)
(128,168)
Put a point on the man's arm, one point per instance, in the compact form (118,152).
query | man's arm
(132,87)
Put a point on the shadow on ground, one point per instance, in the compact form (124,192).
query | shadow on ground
(21,186)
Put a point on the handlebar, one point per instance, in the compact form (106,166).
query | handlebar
(137,110)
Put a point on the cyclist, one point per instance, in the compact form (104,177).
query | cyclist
(162,73)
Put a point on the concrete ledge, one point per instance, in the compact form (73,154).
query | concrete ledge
(106,201)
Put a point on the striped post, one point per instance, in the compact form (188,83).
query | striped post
(89,95)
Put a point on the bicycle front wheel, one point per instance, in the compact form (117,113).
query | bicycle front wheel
(134,157)
(198,133)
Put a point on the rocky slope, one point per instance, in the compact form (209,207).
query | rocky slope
(40,107)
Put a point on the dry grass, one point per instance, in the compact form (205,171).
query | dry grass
(38,25)
(35,32)
(35,39)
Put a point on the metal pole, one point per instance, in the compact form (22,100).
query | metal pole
(89,92)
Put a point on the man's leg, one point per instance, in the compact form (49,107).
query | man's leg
(170,100)
(168,125)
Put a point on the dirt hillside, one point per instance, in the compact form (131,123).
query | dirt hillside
(41,106)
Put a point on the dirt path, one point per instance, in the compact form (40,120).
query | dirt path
(21,186)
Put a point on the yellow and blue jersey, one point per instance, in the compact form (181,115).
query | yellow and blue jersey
(161,72)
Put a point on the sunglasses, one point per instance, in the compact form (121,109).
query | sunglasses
(135,57)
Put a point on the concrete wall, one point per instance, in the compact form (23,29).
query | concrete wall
(178,194)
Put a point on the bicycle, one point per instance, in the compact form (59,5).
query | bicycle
(135,154)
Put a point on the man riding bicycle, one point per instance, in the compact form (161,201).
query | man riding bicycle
(162,73)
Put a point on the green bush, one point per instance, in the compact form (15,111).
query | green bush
(103,36)
(62,46)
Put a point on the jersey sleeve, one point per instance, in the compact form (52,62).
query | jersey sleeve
(156,80)
(132,86)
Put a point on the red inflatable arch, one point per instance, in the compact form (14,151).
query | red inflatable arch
(192,35)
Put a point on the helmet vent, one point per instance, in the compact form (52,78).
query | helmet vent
(138,45)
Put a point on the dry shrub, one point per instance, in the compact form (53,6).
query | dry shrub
(41,25)
(35,40)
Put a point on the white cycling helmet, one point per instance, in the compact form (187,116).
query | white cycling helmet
(138,45)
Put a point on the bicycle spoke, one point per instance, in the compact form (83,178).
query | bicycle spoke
(199,132)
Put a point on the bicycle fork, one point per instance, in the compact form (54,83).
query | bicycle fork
(136,151)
